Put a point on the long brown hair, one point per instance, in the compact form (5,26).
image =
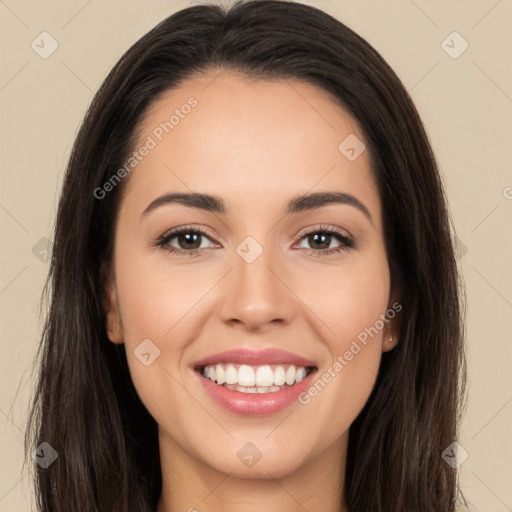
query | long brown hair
(85,405)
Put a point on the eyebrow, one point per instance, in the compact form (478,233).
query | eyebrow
(216,204)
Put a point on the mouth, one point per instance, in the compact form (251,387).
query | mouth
(254,383)
(244,378)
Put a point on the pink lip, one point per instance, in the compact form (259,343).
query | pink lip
(255,358)
(254,404)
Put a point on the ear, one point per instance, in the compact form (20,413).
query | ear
(393,328)
(112,315)
(390,341)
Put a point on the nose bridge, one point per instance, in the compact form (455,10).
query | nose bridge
(254,294)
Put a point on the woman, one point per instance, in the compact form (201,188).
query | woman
(254,296)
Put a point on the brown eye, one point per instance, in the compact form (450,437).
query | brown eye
(188,240)
(184,240)
(320,241)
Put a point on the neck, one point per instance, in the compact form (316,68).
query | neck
(188,485)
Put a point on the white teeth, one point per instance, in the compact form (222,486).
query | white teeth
(279,376)
(301,373)
(290,375)
(221,375)
(264,376)
(254,389)
(255,379)
(246,376)
(231,374)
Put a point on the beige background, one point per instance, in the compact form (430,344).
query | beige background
(466,105)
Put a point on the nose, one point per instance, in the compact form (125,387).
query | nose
(254,295)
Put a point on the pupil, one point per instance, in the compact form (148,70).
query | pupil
(192,240)
(322,236)
(190,237)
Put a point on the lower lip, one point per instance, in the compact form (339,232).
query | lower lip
(255,404)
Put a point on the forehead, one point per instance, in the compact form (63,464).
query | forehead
(250,142)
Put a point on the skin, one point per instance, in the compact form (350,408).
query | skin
(269,141)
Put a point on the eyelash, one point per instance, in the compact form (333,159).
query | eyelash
(347,242)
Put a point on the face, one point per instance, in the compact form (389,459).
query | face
(259,280)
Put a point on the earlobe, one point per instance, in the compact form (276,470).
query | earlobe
(113,318)
(394,327)
(390,342)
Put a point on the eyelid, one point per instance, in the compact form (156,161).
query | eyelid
(322,227)
(303,232)
(203,230)
(347,240)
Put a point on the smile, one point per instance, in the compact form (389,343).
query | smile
(254,383)
(255,379)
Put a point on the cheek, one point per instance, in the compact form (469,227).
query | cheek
(357,308)
(349,299)
(159,305)
(154,314)
(154,297)
(352,302)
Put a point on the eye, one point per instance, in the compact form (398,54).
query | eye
(321,241)
(189,240)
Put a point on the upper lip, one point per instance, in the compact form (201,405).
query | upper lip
(255,358)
